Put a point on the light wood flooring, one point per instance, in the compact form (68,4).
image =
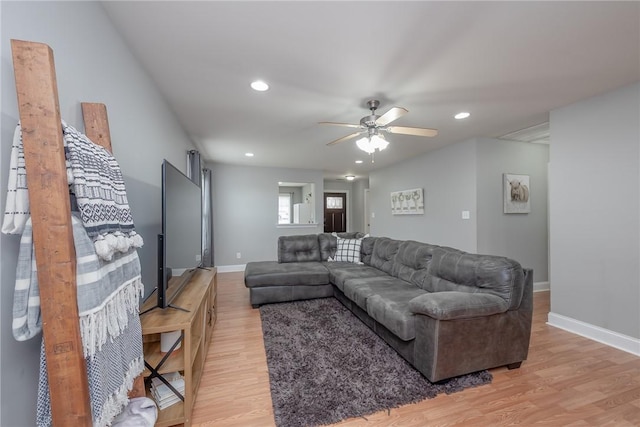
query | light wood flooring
(566,381)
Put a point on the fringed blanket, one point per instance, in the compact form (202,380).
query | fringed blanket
(97,183)
(109,293)
(16,210)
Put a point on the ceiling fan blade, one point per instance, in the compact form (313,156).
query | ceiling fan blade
(393,114)
(349,125)
(412,131)
(344,138)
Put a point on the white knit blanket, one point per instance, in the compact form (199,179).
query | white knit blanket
(109,294)
(97,183)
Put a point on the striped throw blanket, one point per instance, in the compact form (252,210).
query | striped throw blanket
(97,184)
(109,294)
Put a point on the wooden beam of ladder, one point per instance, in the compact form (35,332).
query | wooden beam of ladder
(52,231)
(96,124)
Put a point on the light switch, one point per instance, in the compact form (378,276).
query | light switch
(466,215)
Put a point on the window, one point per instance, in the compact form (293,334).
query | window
(284,208)
(334,202)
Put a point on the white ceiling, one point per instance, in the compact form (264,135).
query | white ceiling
(507,63)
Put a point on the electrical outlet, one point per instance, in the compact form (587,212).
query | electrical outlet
(198,258)
(238,255)
(466,215)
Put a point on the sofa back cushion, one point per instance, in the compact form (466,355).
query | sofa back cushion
(454,270)
(328,243)
(302,248)
(366,249)
(412,262)
(384,251)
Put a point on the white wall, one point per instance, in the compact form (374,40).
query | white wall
(245,211)
(448,177)
(595,214)
(93,65)
(523,237)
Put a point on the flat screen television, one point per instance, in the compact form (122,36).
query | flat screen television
(180,243)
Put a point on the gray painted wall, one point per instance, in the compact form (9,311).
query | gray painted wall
(468,177)
(245,211)
(523,237)
(448,177)
(93,65)
(595,212)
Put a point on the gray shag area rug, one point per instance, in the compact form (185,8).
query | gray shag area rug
(325,366)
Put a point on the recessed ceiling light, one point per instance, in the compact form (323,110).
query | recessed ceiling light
(461,115)
(248,154)
(358,161)
(259,85)
(350,177)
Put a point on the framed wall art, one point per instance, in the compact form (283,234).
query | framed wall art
(407,202)
(517,193)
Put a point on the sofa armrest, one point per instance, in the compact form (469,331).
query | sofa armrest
(457,305)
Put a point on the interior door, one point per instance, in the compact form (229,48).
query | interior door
(335,212)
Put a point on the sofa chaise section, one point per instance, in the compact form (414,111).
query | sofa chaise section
(297,275)
(271,281)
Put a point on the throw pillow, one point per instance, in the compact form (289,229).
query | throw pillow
(348,250)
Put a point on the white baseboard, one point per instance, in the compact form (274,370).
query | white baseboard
(596,333)
(541,286)
(231,268)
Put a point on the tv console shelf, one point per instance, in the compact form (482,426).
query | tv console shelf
(195,325)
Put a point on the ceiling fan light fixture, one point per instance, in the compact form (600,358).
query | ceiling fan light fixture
(350,177)
(365,145)
(379,142)
(369,144)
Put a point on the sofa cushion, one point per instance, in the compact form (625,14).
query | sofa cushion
(454,270)
(457,305)
(298,248)
(384,251)
(390,307)
(412,262)
(360,288)
(269,273)
(366,249)
(328,242)
(339,272)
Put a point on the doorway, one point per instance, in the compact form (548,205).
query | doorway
(335,212)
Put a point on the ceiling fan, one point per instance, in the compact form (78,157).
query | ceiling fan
(374,126)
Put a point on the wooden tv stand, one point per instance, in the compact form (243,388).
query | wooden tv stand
(196,325)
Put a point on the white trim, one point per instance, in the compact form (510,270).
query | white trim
(541,286)
(367,211)
(313,225)
(596,333)
(231,268)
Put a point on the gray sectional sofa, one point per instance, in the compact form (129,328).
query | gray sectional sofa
(447,312)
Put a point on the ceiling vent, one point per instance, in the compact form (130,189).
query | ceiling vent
(537,134)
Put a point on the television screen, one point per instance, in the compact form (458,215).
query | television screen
(180,244)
